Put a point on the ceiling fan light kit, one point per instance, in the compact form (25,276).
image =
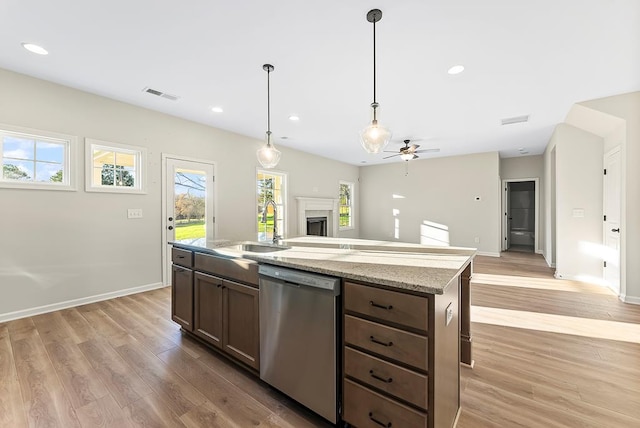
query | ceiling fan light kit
(374,137)
(268,155)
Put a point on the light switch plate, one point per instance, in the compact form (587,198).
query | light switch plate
(134,213)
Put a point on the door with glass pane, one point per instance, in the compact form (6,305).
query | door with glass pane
(189,213)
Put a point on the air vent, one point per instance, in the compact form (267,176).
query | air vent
(516,119)
(160,94)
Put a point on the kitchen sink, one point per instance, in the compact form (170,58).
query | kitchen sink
(252,247)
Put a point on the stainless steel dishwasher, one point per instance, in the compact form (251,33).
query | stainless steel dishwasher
(299,336)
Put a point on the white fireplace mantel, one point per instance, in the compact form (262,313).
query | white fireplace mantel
(316,207)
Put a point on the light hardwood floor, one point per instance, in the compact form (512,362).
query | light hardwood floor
(547,353)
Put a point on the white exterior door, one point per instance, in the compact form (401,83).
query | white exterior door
(612,219)
(188,208)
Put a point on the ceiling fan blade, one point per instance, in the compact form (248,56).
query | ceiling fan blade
(414,147)
(387,157)
(427,151)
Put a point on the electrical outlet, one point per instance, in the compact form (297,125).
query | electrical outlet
(448,315)
(134,213)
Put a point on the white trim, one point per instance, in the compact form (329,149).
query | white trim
(140,153)
(488,254)
(318,204)
(70,165)
(630,299)
(163,209)
(76,302)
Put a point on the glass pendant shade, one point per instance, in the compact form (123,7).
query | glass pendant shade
(374,138)
(268,155)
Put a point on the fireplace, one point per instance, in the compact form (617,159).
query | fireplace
(314,208)
(317,226)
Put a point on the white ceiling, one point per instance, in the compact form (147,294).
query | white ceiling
(535,57)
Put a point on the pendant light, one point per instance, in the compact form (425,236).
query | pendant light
(374,137)
(268,155)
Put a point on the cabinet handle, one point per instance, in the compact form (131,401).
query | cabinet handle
(181,257)
(382,424)
(374,340)
(377,305)
(375,376)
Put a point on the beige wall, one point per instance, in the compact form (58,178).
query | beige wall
(522,167)
(440,190)
(625,107)
(67,246)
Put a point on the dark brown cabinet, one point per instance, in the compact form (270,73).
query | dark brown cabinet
(222,312)
(182,288)
(227,317)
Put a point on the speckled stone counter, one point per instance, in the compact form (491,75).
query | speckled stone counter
(410,267)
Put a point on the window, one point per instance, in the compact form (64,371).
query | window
(114,167)
(346,205)
(33,159)
(271,186)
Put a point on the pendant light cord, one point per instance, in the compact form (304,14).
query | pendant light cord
(374,62)
(268,107)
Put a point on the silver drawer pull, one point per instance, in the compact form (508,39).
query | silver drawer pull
(382,424)
(375,376)
(379,342)
(377,305)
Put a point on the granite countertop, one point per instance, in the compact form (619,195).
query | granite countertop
(412,267)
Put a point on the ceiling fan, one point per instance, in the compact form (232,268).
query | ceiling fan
(408,152)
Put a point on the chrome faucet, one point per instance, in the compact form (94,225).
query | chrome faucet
(276,237)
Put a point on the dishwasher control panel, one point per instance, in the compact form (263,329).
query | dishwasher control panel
(300,277)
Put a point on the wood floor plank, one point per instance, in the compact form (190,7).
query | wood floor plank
(44,398)
(180,396)
(151,412)
(104,413)
(82,330)
(122,381)
(207,415)
(11,409)
(75,373)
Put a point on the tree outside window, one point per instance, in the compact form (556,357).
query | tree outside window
(346,205)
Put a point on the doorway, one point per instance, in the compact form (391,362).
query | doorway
(520,219)
(188,208)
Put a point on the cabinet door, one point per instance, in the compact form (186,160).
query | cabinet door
(182,296)
(207,321)
(241,337)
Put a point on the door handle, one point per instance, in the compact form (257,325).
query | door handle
(170,227)
(616,230)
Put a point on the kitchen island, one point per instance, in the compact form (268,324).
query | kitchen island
(404,318)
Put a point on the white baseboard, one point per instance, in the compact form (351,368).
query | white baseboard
(539,252)
(630,299)
(77,302)
(488,254)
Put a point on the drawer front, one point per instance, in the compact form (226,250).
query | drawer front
(395,380)
(409,348)
(182,257)
(364,408)
(241,270)
(399,308)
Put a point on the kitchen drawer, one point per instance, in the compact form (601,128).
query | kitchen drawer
(182,257)
(364,408)
(392,306)
(241,270)
(399,345)
(390,378)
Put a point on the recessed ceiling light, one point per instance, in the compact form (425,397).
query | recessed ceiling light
(294,118)
(284,138)
(363,161)
(36,49)
(217,109)
(456,69)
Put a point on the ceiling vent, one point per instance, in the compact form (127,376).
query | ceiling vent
(160,94)
(516,119)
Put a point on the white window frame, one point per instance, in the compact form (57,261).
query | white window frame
(282,213)
(69,173)
(352,218)
(140,154)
